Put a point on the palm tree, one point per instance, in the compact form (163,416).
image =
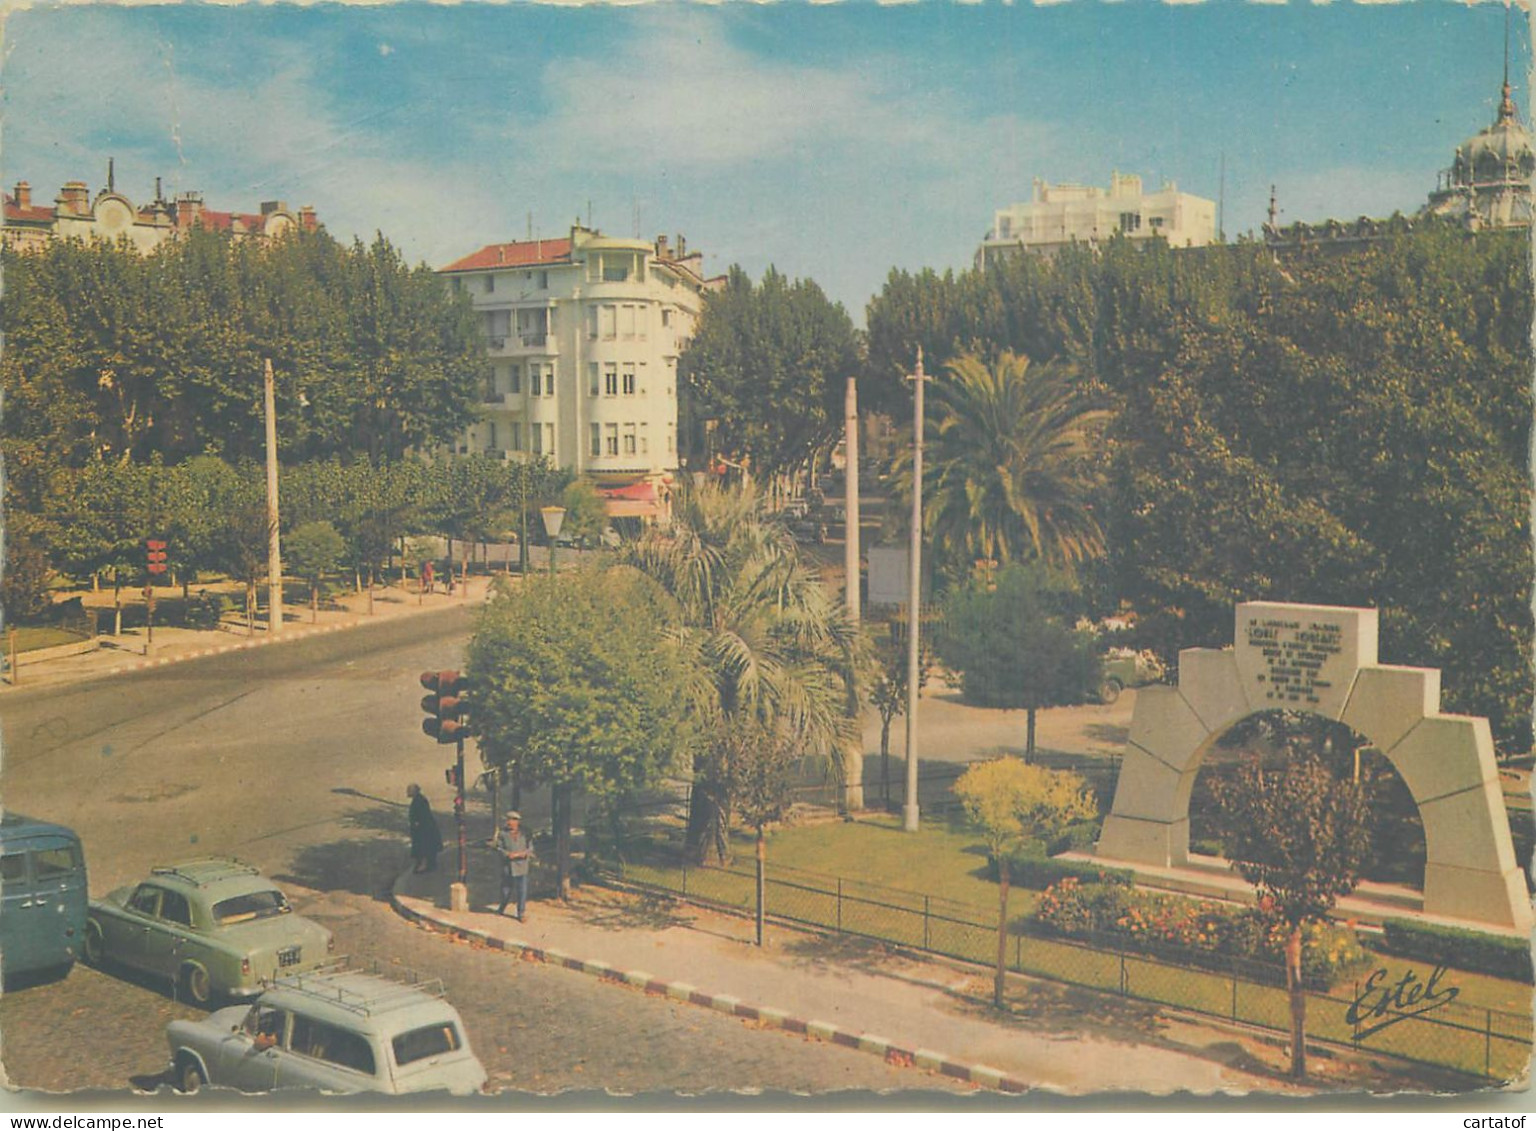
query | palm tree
(773,646)
(1009,474)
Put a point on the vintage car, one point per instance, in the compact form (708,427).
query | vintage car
(335,1030)
(210,926)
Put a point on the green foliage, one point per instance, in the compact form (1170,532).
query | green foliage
(577,681)
(768,363)
(1010,473)
(24,596)
(1343,429)
(1477,951)
(1154,922)
(1039,872)
(1016,644)
(314,550)
(1299,834)
(585,513)
(205,610)
(771,647)
(1012,803)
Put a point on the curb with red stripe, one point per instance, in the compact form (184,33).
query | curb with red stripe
(981,1075)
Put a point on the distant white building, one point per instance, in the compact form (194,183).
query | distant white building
(584,335)
(1059,215)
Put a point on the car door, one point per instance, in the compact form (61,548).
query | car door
(165,937)
(248,1057)
(328,1057)
(18,943)
(127,933)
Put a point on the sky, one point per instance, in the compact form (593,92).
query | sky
(834,141)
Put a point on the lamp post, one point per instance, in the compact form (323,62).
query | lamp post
(554,518)
(909,812)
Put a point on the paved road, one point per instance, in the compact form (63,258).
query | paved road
(296,758)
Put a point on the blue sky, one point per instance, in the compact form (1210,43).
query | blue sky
(835,141)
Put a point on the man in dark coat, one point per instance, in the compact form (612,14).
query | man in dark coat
(426,840)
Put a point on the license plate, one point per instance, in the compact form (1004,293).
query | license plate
(288,956)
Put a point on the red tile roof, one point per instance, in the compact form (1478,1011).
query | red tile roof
(37,213)
(523,253)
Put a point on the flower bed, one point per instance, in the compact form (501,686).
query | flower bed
(1197,932)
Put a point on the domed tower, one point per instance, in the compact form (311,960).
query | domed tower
(1489,183)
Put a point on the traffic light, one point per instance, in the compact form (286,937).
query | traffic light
(154,550)
(445,706)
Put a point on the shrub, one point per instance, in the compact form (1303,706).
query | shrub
(1202,933)
(1040,872)
(205,610)
(1473,951)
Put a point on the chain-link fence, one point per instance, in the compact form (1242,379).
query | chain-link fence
(1420,1022)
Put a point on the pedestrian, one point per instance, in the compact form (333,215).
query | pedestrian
(516,851)
(426,577)
(426,839)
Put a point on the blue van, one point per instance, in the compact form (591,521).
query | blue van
(43,897)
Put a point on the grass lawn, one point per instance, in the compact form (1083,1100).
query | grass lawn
(32,637)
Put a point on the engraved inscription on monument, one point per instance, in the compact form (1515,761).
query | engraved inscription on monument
(1295,654)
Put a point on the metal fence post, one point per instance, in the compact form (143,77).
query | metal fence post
(1018,952)
(1354,1014)
(1234,989)
(839,903)
(1125,982)
(685,877)
(1487,1042)
(925,922)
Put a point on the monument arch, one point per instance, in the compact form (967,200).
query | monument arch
(1323,659)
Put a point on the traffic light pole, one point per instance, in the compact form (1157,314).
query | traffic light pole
(458,813)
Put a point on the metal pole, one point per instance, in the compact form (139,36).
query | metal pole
(909,812)
(458,812)
(274,552)
(853,762)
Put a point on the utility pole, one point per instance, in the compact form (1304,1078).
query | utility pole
(853,767)
(909,811)
(274,551)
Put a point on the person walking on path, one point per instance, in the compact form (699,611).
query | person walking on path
(516,851)
(426,577)
(426,839)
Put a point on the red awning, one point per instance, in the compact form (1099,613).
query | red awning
(634,492)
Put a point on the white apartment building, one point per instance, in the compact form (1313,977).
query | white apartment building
(584,335)
(1063,214)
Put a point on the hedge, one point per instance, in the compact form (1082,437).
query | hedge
(1473,951)
(1040,872)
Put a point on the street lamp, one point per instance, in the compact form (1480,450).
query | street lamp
(909,811)
(554,518)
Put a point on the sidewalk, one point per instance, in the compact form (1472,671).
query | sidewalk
(110,654)
(925,1014)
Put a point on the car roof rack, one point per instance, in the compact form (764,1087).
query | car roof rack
(325,982)
(200,873)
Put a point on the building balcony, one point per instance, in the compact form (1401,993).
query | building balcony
(522,345)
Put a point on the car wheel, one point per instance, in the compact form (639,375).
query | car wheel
(94,948)
(189,1078)
(197,985)
(1110,691)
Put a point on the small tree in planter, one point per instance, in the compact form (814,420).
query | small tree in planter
(1301,836)
(314,550)
(760,765)
(1012,803)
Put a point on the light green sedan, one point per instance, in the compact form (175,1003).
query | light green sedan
(212,927)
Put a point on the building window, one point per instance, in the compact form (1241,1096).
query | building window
(536,434)
(616,268)
(458,285)
(608,322)
(666,317)
(533,379)
(627,323)
(671,438)
(591,321)
(611,435)
(629,378)
(549,441)
(629,439)
(492,442)
(515,379)
(1130,221)
(490,284)
(596,435)
(543,280)
(610,379)
(645,438)
(549,380)
(593,385)
(517,436)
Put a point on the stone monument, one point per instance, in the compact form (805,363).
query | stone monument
(1322,659)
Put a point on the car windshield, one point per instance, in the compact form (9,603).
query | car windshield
(430,1040)
(252,905)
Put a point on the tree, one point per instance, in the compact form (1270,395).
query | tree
(1011,475)
(578,682)
(1012,804)
(1016,645)
(768,364)
(1301,836)
(888,690)
(586,516)
(758,759)
(769,641)
(314,550)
